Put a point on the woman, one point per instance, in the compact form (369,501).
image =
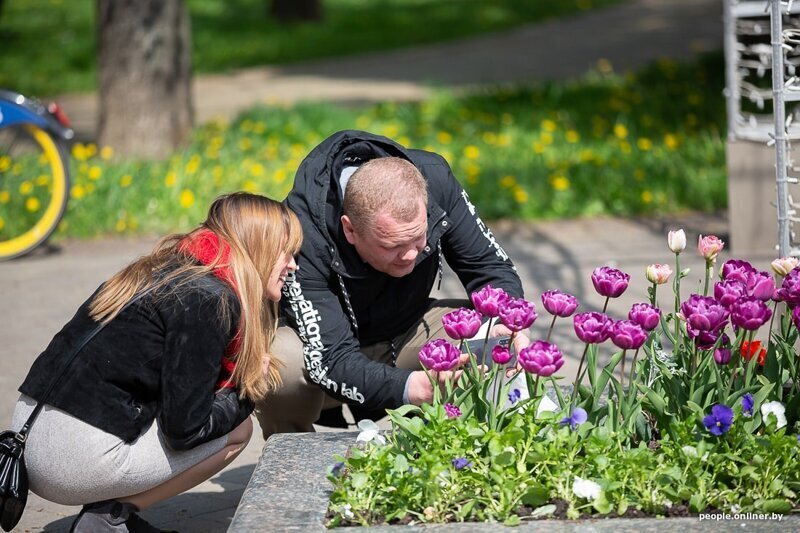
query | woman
(160,399)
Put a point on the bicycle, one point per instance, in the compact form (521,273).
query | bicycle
(34,172)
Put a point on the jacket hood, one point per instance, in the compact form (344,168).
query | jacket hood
(314,195)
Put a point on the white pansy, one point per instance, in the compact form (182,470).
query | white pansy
(369,432)
(586,488)
(775,408)
(346,511)
(691,451)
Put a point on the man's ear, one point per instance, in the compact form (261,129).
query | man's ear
(349,231)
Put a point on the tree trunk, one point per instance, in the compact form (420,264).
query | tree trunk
(144,49)
(295,10)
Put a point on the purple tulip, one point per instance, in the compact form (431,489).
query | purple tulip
(747,404)
(517,314)
(704,313)
(705,340)
(720,420)
(628,335)
(790,289)
(577,418)
(462,323)
(592,327)
(760,285)
(610,282)
(645,315)
(750,313)
(728,291)
(559,303)
(541,358)
(737,269)
(796,317)
(451,410)
(488,301)
(439,355)
(722,355)
(500,354)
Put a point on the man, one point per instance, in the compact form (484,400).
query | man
(378,220)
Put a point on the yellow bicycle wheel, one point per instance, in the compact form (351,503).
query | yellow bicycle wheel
(34,187)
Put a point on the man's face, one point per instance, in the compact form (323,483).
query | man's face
(390,246)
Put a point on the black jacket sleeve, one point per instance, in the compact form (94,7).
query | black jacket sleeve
(469,246)
(331,353)
(191,412)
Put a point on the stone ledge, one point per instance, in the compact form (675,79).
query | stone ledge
(289,492)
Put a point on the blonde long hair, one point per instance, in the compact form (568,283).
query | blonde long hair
(259,231)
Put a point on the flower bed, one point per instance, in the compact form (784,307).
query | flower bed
(695,412)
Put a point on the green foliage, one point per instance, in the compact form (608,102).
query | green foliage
(644,143)
(49,45)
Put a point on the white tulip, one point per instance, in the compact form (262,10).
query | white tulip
(676,241)
(775,408)
(586,488)
(369,432)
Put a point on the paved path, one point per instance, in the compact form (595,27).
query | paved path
(40,293)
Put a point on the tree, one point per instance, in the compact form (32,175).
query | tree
(144,63)
(295,10)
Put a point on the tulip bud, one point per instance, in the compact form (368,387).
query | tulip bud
(784,265)
(658,273)
(676,241)
(709,247)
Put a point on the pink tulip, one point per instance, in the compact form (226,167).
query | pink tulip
(658,273)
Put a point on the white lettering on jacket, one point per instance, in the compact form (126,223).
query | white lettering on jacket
(307,318)
(485,231)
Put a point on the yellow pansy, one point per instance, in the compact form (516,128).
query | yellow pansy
(187,198)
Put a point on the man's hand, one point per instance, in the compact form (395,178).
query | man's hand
(419,386)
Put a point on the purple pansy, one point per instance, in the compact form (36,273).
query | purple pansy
(720,420)
(592,327)
(488,301)
(577,418)
(514,396)
(439,355)
(747,404)
(610,282)
(517,314)
(559,303)
(460,463)
(541,358)
(645,315)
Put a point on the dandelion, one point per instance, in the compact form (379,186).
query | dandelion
(644,144)
(126,180)
(559,183)
(95,173)
(520,195)
(77,192)
(647,197)
(670,141)
(5,197)
(170,179)
(572,136)
(25,188)
(186,198)
(106,153)
(472,152)
(620,131)
(444,138)
(549,125)
(32,204)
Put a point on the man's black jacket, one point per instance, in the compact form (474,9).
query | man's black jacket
(337,302)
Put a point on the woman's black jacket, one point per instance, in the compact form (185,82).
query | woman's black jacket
(158,359)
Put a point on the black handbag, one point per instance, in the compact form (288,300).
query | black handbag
(13,474)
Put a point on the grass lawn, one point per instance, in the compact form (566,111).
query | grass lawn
(620,144)
(48,46)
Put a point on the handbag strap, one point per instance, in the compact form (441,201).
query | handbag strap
(22,434)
